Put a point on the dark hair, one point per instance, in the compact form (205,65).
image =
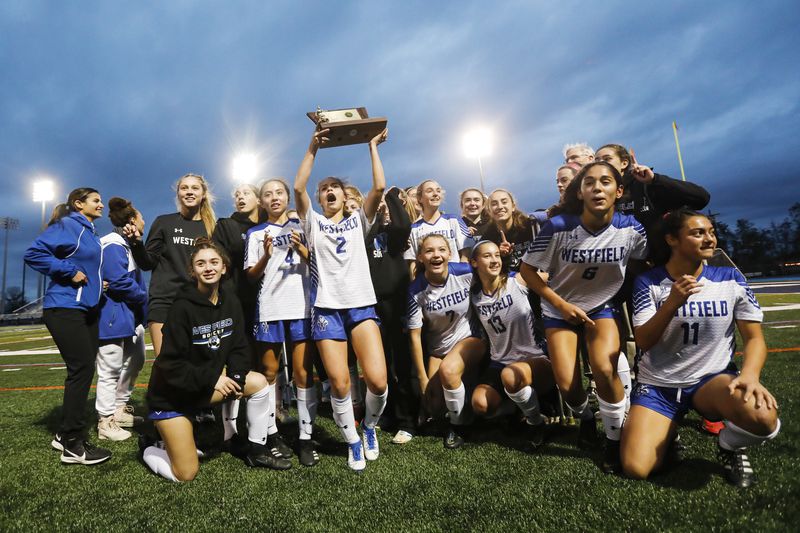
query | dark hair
(204,243)
(121,211)
(477,285)
(620,152)
(674,220)
(570,203)
(338,181)
(518,218)
(76,195)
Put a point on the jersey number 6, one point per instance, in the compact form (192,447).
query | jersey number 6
(589,273)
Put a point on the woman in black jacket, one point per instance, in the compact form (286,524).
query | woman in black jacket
(386,242)
(203,335)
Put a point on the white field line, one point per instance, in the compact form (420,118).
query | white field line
(782,327)
(43,351)
(785,307)
(11,369)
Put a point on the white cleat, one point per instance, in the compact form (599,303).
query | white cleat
(370,440)
(355,457)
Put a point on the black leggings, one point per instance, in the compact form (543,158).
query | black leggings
(75,332)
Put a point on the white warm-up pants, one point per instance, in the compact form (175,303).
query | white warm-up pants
(118,364)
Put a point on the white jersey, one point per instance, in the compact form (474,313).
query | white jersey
(340,276)
(283,290)
(700,339)
(444,310)
(586,269)
(451,227)
(507,319)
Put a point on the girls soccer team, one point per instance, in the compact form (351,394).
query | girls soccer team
(470,318)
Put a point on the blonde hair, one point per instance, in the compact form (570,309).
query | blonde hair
(353,192)
(206,204)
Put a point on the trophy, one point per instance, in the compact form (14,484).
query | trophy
(348,126)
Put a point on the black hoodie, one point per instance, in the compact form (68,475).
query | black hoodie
(200,339)
(230,233)
(385,246)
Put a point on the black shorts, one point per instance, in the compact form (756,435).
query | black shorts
(491,377)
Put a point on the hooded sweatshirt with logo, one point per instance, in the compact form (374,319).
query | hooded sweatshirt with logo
(200,340)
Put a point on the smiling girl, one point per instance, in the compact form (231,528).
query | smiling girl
(70,253)
(585,251)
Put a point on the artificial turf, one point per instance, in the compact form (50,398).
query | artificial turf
(493,483)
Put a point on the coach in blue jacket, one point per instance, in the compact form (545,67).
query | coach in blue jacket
(69,252)
(122,313)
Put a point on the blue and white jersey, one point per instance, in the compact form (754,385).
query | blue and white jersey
(700,339)
(444,310)
(508,320)
(284,288)
(340,276)
(451,227)
(586,269)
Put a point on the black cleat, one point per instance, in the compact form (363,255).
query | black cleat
(453,439)
(738,470)
(236,446)
(611,461)
(307,453)
(278,446)
(587,434)
(536,435)
(57,443)
(261,456)
(82,452)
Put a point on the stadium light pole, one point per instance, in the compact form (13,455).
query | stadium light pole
(43,191)
(478,143)
(244,168)
(7,223)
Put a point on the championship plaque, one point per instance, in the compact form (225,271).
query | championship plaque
(348,126)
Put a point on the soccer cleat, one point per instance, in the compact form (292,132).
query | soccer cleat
(453,439)
(535,434)
(279,446)
(402,437)
(108,429)
(712,428)
(371,447)
(262,457)
(355,457)
(611,461)
(738,470)
(125,418)
(82,452)
(57,443)
(587,434)
(236,446)
(307,454)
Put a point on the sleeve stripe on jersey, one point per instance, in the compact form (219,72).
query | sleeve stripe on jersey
(641,299)
(639,228)
(749,292)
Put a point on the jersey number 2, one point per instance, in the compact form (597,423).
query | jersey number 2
(340,243)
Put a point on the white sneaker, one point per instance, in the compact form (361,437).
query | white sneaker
(125,418)
(107,429)
(370,440)
(402,437)
(355,457)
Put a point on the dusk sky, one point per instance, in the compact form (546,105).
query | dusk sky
(127,97)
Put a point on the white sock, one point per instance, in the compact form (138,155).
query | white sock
(624,372)
(355,385)
(258,413)
(158,461)
(454,400)
(306,410)
(375,405)
(613,416)
(343,416)
(582,411)
(528,402)
(733,437)
(230,410)
(272,426)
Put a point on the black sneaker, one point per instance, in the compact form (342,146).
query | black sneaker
(261,456)
(453,439)
(587,434)
(611,461)
(307,453)
(236,446)
(81,452)
(205,416)
(57,443)
(279,446)
(535,434)
(738,470)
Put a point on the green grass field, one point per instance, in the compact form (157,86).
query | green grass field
(490,484)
